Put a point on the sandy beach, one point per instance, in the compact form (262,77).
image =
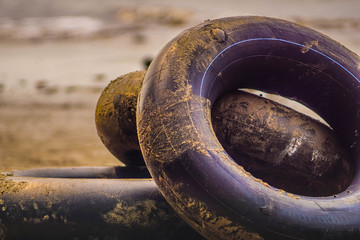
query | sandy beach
(57,56)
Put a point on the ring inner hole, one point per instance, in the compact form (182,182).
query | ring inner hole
(306,83)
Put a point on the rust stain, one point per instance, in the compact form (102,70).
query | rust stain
(203,219)
(218,227)
(10,186)
(309,45)
(141,213)
(160,139)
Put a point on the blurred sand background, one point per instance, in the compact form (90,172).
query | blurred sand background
(57,56)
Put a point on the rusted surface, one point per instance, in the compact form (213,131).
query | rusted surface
(175,138)
(145,213)
(283,147)
(9,186)
(166,140)
(276,144)
(178,144)
(159,137)
(223,226)
(115,118)
(74,208)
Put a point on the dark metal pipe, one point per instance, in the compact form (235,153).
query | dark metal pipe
(79,203)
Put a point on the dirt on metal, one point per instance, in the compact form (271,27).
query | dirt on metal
(115,118)
(278,145)
(281,146)
(9,186)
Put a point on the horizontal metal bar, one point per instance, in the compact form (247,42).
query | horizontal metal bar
(78,203)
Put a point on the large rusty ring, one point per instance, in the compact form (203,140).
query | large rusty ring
(196,175)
